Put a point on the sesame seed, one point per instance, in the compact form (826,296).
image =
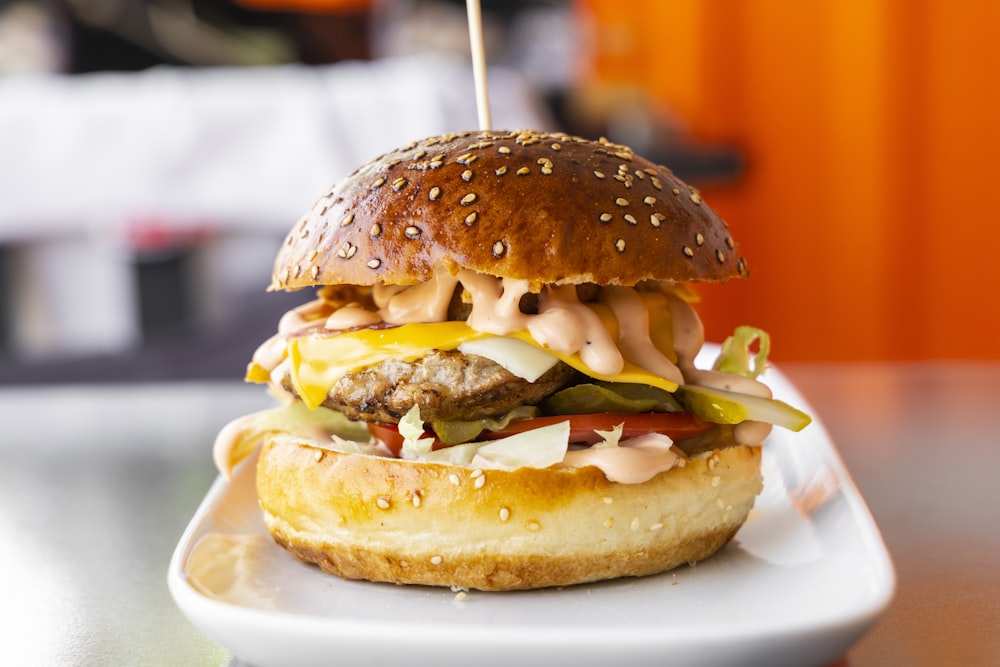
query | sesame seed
(475,474)
(348,220)
(522,171)
(651,172)
(676,191)
(350,251)
(467,175)
(656,526)
(297,271)
(621,201)
(699,238)
(374,263)
(500,171)
(608,500)
(419,155)
(729,243)
(556,147)
(719,255)
(436,560)
(656,183)
(610,521)
(656,219)
(411,232)
(715,480)
(468,199)
(313,255)
(498,249)
(416,499)
(635,524)
(695,196)
(318,456)
(599,174)
(383,502)
(687,251)
(471,218)
(504,513)
(379,182)
(435,193)
(620,245)
(649,200)
(453,478)
(399,184)
(606,217)
(375,230)
(467,158)
(344,249)
(314,272)
(480,482)
(533,526)
(546,170)
(505,150)
(641,176)
(630,219)
(624,155)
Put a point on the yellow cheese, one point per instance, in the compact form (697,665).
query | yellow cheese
(318,360)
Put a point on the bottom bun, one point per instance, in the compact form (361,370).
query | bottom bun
(406,522)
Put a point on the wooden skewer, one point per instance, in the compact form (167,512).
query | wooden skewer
(479,63)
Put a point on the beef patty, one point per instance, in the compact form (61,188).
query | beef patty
(447,386)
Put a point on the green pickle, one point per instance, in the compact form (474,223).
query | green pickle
(596,397)
(727,407)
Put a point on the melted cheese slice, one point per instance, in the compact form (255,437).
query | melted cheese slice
(319,360)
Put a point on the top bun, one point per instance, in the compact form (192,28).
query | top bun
(547,208)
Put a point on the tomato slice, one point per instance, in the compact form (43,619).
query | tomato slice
(389,435)
(676,425)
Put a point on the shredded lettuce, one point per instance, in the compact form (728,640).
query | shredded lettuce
(295,416)
(612,438)
(538,448)
(736,357)
(411,427)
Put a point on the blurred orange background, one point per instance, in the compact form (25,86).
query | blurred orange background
(869,128)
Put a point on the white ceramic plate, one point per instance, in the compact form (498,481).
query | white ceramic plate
(804,578)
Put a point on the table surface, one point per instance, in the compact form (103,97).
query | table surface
(98,482)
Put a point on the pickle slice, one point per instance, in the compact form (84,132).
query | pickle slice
(728,407)
(594,397)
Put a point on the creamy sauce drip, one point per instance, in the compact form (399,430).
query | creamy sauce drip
(633,462)
(426,302)
(633,332)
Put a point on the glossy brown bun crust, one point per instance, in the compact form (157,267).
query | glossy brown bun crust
(548,208)
(390,520)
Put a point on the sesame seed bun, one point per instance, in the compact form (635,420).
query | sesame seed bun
(548,208)
(391,520)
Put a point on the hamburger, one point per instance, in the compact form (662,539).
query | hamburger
(495,386)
